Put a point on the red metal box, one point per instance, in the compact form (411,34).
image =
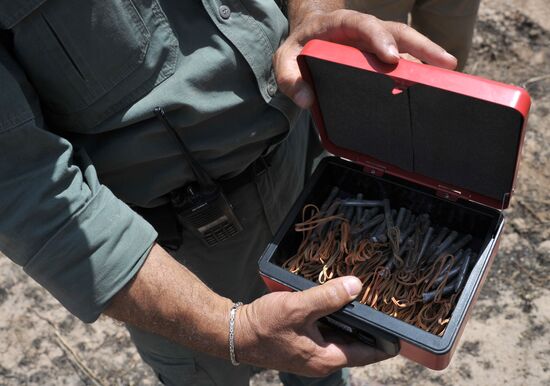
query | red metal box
(436,141)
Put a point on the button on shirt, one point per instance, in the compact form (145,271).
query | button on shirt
(225,12)
(78,137)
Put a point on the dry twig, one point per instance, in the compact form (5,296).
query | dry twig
(72,355)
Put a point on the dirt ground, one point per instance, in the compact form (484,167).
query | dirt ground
(507,340)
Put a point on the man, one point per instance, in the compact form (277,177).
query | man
(79,140)
(449,23)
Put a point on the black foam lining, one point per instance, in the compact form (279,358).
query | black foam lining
(455,139)
(350,98)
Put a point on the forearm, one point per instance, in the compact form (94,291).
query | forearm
(167,299)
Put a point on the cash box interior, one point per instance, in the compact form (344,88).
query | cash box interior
(433,141)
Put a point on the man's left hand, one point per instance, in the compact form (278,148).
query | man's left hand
(311,19)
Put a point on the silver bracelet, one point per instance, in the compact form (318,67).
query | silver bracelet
(232,314)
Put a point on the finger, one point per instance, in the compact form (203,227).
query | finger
(414,43)
(329,334)
(337,350)
(354,354)
(289,78)
(369,34)
(410,58)
(325,299)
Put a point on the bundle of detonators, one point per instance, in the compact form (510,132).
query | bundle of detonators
(411,269)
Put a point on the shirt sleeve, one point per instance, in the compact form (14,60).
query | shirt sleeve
(68,232)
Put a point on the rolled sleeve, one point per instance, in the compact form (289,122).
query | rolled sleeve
(69,232)
(91,257)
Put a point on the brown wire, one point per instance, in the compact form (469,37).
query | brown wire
(328,250)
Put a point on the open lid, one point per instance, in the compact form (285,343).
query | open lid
(456,133)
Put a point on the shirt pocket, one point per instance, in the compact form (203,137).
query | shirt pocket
(91,58)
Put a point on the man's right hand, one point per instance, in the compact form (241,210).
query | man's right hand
(277,331)
(280,331)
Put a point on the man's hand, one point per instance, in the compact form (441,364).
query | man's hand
(323,20)
(277,331)
(280,331)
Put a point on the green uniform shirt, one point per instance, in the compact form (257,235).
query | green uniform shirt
(79,80)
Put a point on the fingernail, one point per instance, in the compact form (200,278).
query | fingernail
(303,98)
(449,55)
(353,285)
(393,51)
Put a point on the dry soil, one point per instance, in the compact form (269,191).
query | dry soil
(507,340)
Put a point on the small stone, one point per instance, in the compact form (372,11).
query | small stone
(509,242)
(519,224)
(544,248)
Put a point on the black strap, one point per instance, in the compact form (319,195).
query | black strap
(163,218)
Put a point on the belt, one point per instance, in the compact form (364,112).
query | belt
(163,218)
(255,169)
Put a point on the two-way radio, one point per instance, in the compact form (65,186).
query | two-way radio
(201,206)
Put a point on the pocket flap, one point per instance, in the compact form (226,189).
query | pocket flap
(12,12)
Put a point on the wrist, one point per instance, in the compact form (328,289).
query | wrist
(211,327)
(245,339)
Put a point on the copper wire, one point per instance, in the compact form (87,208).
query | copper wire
(330,248)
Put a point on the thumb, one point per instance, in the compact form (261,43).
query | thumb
(325,299)
(289,78)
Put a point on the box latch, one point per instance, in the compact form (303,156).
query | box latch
(376,170)
(448,193)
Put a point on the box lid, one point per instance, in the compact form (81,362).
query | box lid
(456,133)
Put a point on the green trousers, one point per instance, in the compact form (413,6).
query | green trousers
(449,23)
(231,269)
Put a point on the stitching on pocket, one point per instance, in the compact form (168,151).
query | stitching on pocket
(56,36)
(12,13)
(142,26)
(90,80)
